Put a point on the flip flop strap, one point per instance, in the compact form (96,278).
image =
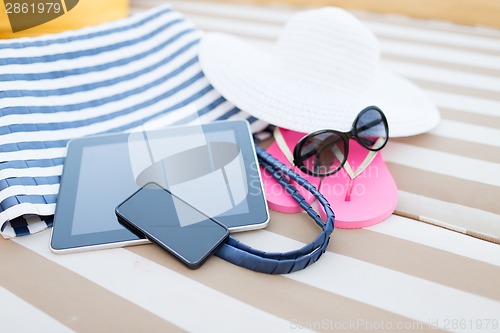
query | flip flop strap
(366,162)
(280,140)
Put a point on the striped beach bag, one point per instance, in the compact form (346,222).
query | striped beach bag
(102,79)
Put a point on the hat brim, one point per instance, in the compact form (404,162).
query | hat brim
(238,72)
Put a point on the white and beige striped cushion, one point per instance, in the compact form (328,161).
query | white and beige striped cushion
(401,274)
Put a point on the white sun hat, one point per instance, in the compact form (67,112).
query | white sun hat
(324,69)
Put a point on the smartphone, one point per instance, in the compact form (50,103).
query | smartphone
(172,223)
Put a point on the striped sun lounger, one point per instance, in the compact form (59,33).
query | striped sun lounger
(408,273)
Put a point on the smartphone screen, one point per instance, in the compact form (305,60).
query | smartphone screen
(171,223)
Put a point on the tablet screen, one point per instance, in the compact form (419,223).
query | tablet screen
(100,172)
(105,176)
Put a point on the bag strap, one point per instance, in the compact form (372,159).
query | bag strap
(243,255)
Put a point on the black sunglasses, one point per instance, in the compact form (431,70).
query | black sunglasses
(324,152)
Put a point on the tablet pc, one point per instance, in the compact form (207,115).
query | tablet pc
(102,171)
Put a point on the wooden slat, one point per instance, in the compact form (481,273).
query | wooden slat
(471,12)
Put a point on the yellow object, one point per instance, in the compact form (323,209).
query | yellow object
(38,17)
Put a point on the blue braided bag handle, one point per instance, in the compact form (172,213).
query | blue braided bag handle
(275,262)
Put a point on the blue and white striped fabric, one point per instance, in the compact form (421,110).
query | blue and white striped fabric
(102,79)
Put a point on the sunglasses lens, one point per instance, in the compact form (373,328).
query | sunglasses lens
(372,130)
(323,153)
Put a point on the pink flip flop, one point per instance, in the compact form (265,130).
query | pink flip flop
(363,198)
(361,194)
(277,198)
